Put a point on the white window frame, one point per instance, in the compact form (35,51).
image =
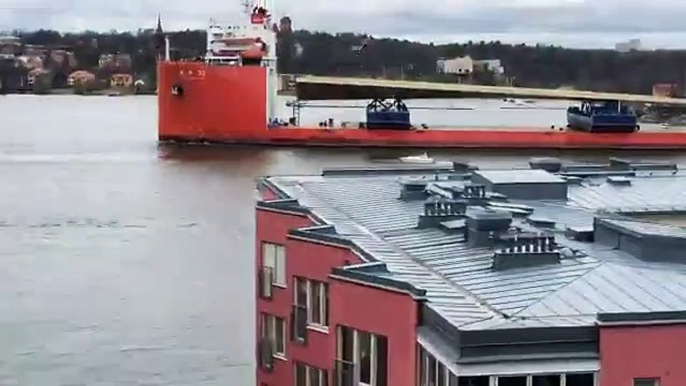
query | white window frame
(356,352)
(322,375)
(311,286)
(269,331)
(563,378)
(656,380)
(322,289)
(425,356)
(274,256)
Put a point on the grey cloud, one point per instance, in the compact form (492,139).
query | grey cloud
(443,18)
(569,19)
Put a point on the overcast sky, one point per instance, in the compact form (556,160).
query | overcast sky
(576,23)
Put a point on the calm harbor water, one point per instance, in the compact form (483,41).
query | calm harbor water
(123,262)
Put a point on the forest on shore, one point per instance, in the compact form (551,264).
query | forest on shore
(348,54)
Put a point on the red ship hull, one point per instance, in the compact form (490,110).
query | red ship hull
(223,104)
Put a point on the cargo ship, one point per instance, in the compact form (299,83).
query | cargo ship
(230,97)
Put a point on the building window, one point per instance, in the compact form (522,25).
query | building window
(318,303)
(300,288)
(306,375)
(434,373)
(586,379)
(274,257)
(364,354)
(512,381)
(547,380)
(314,295)
(647,382)
(274,329)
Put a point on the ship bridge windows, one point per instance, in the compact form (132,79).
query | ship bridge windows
(256,62)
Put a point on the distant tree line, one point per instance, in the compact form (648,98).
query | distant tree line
(305,52)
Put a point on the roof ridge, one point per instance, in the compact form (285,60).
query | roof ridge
(600,264)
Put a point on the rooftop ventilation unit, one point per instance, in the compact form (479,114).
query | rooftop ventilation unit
(542,222)
(515,209)
(413,189)
(474,191)
(583,168)
(437,211)
(627,165)
(444,189)
(484,226)
(524,251)
(580,233)
(619,181)
(475,194)
(550,165)
(463,167)
(523,184)
(644,240)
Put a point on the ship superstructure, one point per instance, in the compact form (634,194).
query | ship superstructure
(251,41)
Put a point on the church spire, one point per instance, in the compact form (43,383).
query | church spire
(159,23)
(158,37)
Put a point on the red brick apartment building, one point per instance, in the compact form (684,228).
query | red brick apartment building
(558,275)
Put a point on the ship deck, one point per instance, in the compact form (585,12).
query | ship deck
(645,128)
(649,138)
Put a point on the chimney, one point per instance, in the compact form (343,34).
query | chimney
(413,189)
(438,210)
(475,194)
(526,250)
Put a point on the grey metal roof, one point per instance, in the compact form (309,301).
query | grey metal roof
(460,282)
(648,228)
(645,194)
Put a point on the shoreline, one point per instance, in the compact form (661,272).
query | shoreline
(70,92)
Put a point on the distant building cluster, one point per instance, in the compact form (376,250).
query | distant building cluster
(467,69)
(26,67)
(39,61)
(666,90)
(466,65)
(631,45)
(459,66)
(492,65)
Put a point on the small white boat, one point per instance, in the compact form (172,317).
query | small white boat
(418,159)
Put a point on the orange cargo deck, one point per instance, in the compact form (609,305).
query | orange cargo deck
(449,138)
(229,105)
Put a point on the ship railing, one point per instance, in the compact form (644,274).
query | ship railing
(266,280)
(299,324)
(346,373)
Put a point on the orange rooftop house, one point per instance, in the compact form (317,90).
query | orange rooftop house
(80,77)
(121,80)
(666,90)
